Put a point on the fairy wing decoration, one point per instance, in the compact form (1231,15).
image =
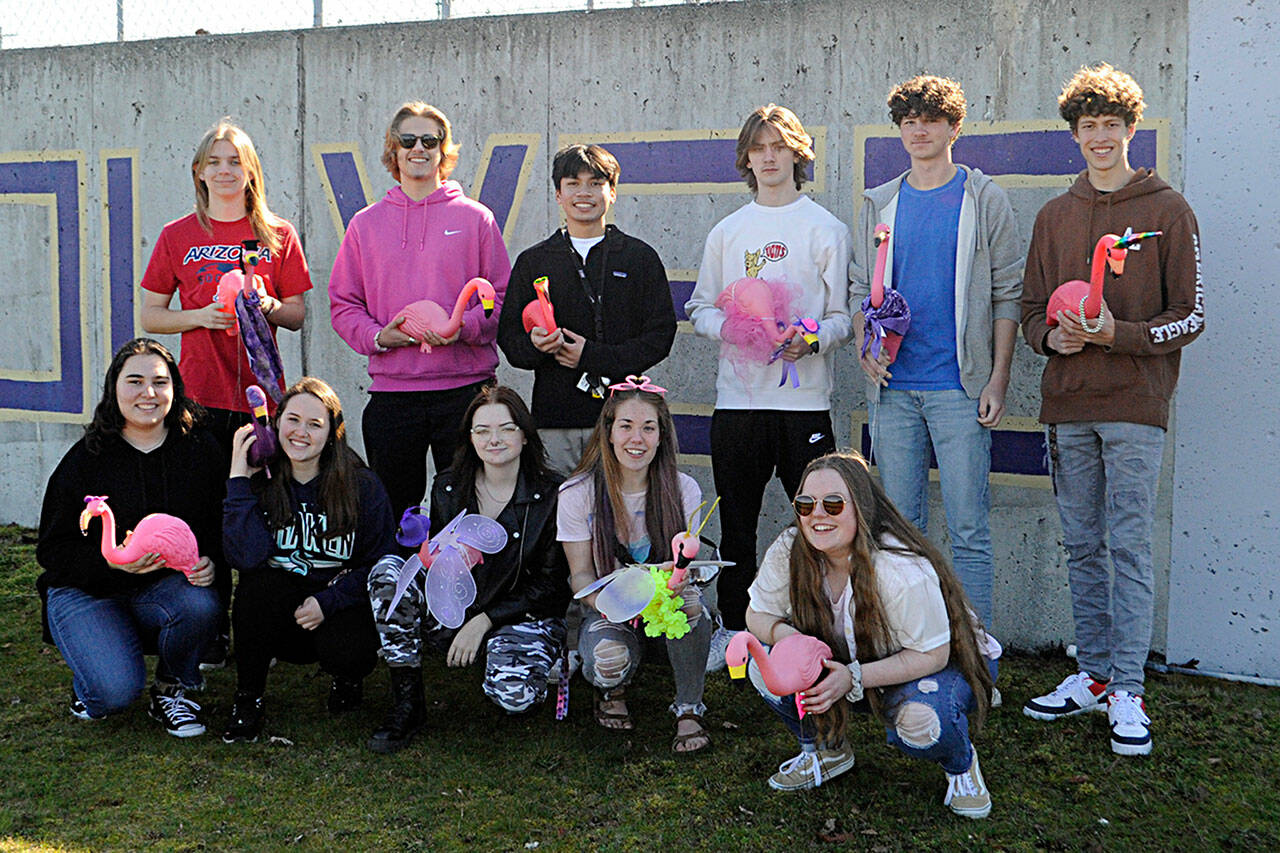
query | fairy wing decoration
(255,331)
(448,559)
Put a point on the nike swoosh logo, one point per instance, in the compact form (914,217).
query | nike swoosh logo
(815,438)
(449,233)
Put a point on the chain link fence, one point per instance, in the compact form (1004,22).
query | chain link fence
(49,23)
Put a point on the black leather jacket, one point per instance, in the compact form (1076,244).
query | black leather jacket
(529,578)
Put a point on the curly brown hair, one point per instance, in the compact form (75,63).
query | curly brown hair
(1100,90)
(929,97)
(793,136)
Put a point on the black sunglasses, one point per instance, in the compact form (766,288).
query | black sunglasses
(408,140)
(805,504)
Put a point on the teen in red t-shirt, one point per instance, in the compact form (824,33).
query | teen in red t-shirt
(192,254)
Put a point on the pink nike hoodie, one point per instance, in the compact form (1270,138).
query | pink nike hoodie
(397,251)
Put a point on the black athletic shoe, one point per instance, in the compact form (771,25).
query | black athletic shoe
(245,723)
(179,715)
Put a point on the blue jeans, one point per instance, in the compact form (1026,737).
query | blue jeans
(903,426)
(1105,477)
(929,716)
(103,640)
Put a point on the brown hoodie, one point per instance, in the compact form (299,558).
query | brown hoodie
(1158,303)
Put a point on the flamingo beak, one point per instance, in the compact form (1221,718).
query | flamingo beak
(487,305)
(738,670)
(85,515)
(1115,259)
(812,340)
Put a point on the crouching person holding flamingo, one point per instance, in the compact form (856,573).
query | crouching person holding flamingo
(303,540)
(861,578)
(105,607)
(515,622)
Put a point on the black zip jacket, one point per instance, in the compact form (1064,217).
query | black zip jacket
(638,330)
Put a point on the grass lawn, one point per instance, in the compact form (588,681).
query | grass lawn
(477,779)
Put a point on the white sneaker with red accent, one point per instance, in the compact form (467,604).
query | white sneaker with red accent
(1077,694)
(1130,725)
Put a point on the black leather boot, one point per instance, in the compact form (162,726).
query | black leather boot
(408,711)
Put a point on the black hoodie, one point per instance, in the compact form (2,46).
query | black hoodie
(183,477)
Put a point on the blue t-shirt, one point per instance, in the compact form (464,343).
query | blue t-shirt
(924,270)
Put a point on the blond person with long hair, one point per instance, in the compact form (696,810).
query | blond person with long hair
(192,254)
(856,574)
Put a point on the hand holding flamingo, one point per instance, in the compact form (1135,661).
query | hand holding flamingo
(793,665)
(426,317)
(158,533)
(539,313)
(1085,297)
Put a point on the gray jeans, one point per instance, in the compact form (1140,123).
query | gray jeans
(611,653)
(1105,476)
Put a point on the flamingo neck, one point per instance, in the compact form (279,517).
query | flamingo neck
(108,544)
(756,649)
(463,298)
(1093,304)
(877,281)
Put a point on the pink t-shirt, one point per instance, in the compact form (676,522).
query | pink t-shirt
(190,260)
(574,513)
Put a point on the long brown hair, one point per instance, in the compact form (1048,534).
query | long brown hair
(879,521)
(261,219)
(466,462)
(339,468)
(663,508)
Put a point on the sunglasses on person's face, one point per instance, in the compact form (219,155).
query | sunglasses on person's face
(805,504)
(408,140)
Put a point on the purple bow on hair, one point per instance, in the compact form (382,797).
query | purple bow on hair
(893,315)
(637,383)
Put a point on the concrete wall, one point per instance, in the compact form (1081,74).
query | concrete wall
(675,79)
(1223,611)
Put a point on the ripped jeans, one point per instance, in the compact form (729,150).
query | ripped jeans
(611,653)
(929,716)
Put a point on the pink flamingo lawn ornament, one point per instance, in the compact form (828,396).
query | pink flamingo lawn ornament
(157,533)
(1086,296)
(539,312)
(886,314)
(265,443)
(793,665)
(426,315)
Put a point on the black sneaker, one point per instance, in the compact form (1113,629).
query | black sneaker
(78,710)
(345,695)
(178,714)
(245,723)
(215,653)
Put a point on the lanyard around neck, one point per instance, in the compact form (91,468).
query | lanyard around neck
(594,296)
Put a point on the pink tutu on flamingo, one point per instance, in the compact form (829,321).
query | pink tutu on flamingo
(757,318)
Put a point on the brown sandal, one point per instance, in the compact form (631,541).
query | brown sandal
(614,721)
(680,740)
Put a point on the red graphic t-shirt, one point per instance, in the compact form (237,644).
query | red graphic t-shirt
(190,260)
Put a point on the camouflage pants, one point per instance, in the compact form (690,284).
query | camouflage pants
(518,657)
